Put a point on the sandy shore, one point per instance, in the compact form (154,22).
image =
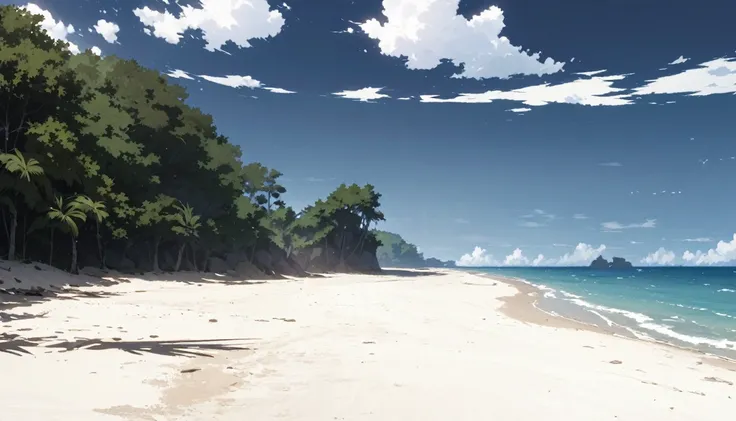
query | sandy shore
(407,345)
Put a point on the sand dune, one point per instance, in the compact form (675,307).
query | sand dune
(407,345)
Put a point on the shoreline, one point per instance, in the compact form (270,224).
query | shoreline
(522,307)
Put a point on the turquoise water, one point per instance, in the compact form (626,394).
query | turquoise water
(685,306)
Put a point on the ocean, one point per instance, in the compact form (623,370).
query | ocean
(685,306)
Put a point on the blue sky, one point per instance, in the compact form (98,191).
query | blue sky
(484,150)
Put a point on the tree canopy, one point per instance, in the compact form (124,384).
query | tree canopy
(109,155)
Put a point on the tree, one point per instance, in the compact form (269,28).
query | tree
(24,170)
(186,224)
(99,213)
(69,215)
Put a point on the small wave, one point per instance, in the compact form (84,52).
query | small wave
(694,340)
(724,315)
(569,295)
(638,317)
(726,290)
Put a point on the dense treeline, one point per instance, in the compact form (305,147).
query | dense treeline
(104,164)
(396,252)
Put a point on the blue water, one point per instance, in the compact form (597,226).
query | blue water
(685,306)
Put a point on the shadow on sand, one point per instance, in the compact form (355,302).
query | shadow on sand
(16,345)
(405,273)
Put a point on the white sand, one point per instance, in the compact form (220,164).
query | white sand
(358,348)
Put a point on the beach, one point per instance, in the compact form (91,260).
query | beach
(404,345)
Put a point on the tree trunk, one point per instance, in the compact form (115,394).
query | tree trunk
(25,234)
(253,250)
(179,256)
(100,250)
(13,229)
(51,249)
(156,244)
(74,256)
(206,262)
(194,257)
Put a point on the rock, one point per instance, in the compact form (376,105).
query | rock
(615,362)
(616,263)
(218,265)
(246,270)
(190,370)
(213,320)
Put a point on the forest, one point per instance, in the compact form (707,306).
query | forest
(394,251)
(105,165)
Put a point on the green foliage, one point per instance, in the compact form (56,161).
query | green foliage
(121,144)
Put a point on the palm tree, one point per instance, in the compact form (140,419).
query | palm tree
(69,214)
(98,211)
(186,224)
(24,169)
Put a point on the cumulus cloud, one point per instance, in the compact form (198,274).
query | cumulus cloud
(220,21)
(724,252)
(594,91)
(364,94)
(712,77)
(660,257)
(55,29)
(478,257)
(617,226)
(96,51)
(426,32)
(678,60)
(516,258)
(108,30)
(582,255)
(519,110)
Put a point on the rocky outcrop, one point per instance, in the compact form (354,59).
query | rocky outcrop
(616,263)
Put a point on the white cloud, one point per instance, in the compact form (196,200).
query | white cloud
(539,260)
(221,21)
(427,31)
(108,30)
(611,164)
(233,81)
(519,110)
(364,94)
(617,226)
(516,258)
(712,77)
(478,257)
(595,91)
(579,216)
(278,90)
(697,240)
(582,255)
(405,98)
(96,51)
(179,74)
(678,60)
(723,253)
(531,224)
(660,257)
(55,29)
(591,73)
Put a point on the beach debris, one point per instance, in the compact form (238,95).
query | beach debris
(285,320)
(615,362)
(5,268)
(117,339)
(717,380)
(37,267)
(262,320)
(213,320)
(588,346)
(153,336)
(368,342)
(17,280)
(190,370)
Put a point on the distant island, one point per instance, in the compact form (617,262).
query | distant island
(616,263)
(394,251)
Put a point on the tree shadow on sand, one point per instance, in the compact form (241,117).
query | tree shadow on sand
(410,273)
(11,343)
(179,348)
